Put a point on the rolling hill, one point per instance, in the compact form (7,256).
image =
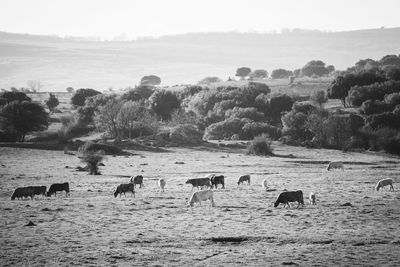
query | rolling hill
(187,58)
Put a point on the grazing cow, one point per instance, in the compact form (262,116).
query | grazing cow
(217,179)
(385,182)
(264,184)
(312,199)
(39,190)
(335,165)
(137,180)
(161,184)
(123,188)
(58,187)
(199,182)
(22,192)
(202,195)
(290,196)
(243,179)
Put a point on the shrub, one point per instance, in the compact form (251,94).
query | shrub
(8,97)
(253,129)
(392,99)
(294,125)
(277,105)
(138,93)
(304,107)
(319,97)
(92,160)
(382,120)
(163,102)
(250,113)
(377,91)
(209,80)
(186,134)
(374,106)
(179,116)
(224,129)
(95,147)
(78,99)
(258,88)
(260,146)
(52,102)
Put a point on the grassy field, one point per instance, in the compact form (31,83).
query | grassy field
(91,227)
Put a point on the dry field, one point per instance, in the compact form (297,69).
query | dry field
(93,228)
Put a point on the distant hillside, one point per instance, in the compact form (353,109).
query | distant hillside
(59,63)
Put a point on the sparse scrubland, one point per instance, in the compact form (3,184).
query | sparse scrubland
(285,129)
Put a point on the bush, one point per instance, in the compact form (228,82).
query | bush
(392,99)
(163,102)
(304,107)
(96,147)
(277,105)
(71,128)
(260,146)
(52,102)
(294,125)
(250,113)
(225,129)
(209,80)
(253,129)
(8,97)
(78,99)
(92,160)
(186,134)
(383,120)
(319,97)
(372,107)
(138,93)
(376,91)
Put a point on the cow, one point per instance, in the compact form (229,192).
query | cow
(137,180)
(39,190)
(385,182)
(202,195)
(217,179)
(123,188)
(22,192)
(161,184)
(264,184)
(289,196)
(244,178)
(312,199)
(335,165)
(199,182)
(54,188)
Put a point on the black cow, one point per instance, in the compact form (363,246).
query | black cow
(199,182)
(137,180)
(39,190)
(22,192)
(244,178)
(123,188)
(290,196)
(58,187)
(217,179)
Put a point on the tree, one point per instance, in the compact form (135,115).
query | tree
(277,105)
(34,85)
(330,68)
(259,74)
(70,90)
(281,74)
(243,72)
(163,102)
(14,96)
(150,80)
(107,115)
(138,93)
(319,97)
(23,117)
(208,80)
(78,99)
(340,86)
(390,60)
(314,67)
(52,102)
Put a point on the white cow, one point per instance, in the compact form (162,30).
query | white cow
(312,199)
(264,184)
(161,184)
(202,195)
(335,165)
(385,182)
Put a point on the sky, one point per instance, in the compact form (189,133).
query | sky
(141,18)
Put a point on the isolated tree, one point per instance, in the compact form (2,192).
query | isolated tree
(34,85)
(243,72)
(163,102)
(70,90)
(14,96)
(281,74)
(78,99)
(52,102)
(23,117)
(314,67)
(330,68)
(92,158)
(150,80)
(259,74)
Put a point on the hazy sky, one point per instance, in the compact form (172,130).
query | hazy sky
(135,18)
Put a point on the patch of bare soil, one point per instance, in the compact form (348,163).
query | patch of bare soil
(351,224)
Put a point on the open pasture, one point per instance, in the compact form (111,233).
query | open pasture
(91,227)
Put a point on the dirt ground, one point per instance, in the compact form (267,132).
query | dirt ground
(93,228)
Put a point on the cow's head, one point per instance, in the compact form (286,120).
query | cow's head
(48,194)
(188,181)
(115,194)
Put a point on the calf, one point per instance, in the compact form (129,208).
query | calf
(161,184)
(244,178)
(123,188)
(290,196)
(137,180)
(335,165)
(39,190)
(264,184)
(54,188)
(22,192)
(199,182)
(215,180)
(312,199)
(202,195)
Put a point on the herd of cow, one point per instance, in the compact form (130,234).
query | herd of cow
(210,182)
